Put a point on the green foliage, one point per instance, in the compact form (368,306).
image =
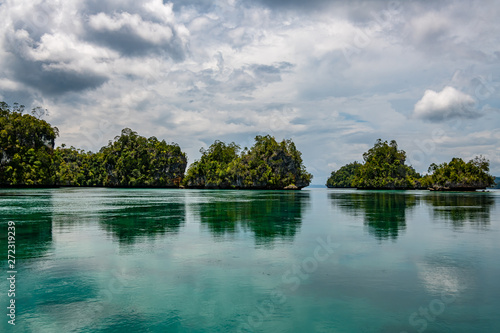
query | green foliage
(268,164)
(460,175)
(26,148)
(212,170)
(75,167)
(28,157)
(343,177)
(133,160)
(385,168)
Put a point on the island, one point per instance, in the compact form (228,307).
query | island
(28,158)
(267,165)
(384,168)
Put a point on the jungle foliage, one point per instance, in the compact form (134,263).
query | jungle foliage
(459,175)
(26,148)
(267,165)
(384,168)
(28,157)
(343,177)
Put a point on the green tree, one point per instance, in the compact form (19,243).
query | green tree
(268,164)
(458,175)
(212,171)
(26,148)
(385,168)
(132,160)
(343,177)
(75,167)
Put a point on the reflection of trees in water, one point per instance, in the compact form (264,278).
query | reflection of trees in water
(384,212)
(461,208)
(267,214)
(32,214)
(148,220)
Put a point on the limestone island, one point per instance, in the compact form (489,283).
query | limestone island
(266,165)
(28,158)
(384,169)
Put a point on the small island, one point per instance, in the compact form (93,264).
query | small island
(28,158)
(266,165)
(384,169)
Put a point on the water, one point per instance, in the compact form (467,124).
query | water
(318,260)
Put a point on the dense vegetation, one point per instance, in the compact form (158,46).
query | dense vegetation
(28,157)
(343,177)
(212,169)
(384,168)
(133,160)
(266,165)
(458,175)
(26,148)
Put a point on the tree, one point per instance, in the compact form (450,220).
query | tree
(385,168)
(458,175)
(132,160)
(268,164)
(343,177)
(26,148)
(211,171)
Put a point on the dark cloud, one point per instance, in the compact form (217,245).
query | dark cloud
(54,81)
(37,20)
(48,77)
(128,43)
(307,5)
(270,73)
(136,34)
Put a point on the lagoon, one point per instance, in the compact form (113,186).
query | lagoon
(316,260)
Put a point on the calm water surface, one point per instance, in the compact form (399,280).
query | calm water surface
(318,260)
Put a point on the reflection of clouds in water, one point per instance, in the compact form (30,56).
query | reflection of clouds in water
(443,276)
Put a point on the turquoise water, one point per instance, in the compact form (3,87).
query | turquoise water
(317,260)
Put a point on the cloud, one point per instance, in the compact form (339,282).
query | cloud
(193,71)
(56,64)
(447,104)
(151,29)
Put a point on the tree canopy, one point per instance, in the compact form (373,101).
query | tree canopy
(268,164)
(28,157)
(343,177)
(26,147)
(459,175)
(385,168)
(133,160)
(212,170)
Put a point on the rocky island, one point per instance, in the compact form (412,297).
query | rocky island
(384,169)
(266,165)
(28,158)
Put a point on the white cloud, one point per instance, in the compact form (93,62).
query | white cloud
(195,71)
(152,32)
(447,104)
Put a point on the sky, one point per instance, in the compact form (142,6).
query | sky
(333,76)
